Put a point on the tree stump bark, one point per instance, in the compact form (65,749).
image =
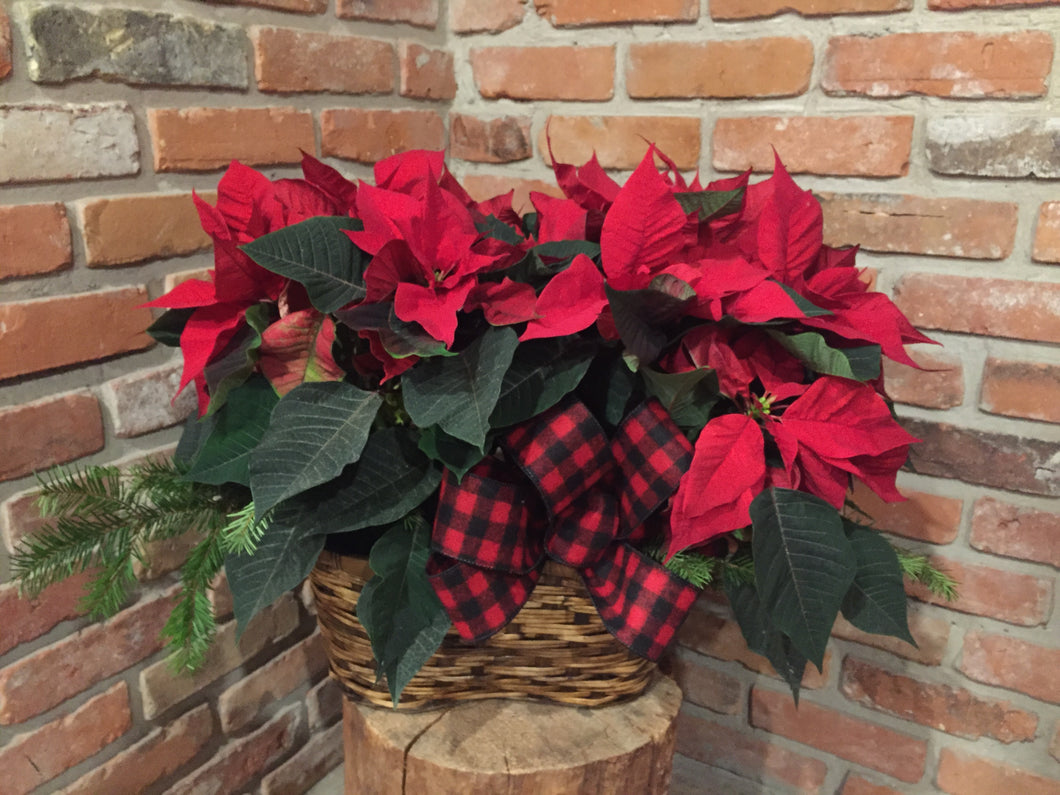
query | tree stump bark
(514,747)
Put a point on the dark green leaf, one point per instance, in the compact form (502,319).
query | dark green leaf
(542,372)
(398,607)
(567,249)
(454,454)
(688,396)
(804,565)
(240,424)
(711,203)
(497,229)
(460,392)
(317,254)
(193,437)
(804,304)
(861,364)
(236,362)
(641,317)
(876,601)
(170,325)
(316,430)
(763,637)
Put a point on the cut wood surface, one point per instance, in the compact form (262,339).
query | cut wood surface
(514,747)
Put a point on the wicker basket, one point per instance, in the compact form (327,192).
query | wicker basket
(557,649)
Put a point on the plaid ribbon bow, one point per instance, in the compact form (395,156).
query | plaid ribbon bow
(492,533)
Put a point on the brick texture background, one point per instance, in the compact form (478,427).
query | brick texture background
(929,128)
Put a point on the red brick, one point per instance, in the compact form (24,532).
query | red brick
(486,186)
(220,597)
(146,400)
(322,753)
(562,13)
(49,676)
(621,141)
(288,60)
(126,229)
(485,16)
(1021,389)
(1047,233)
(721,746)
(34,436)
(925,517)
(164,555)
(988,307)
(868,146)
(35,757)
(573,73)
(159,754)
(1016,532)
(768,67)
(298,6)
(1012,663)
(969,228)
(19,516)
(949,64)
(426,73)
(34,239)
(964,774)
(938,385)
(953,710)
(204,139)
(931,636)
(756,9)
(502,140)
(856,785)
(5,45)
(24,619)
(705,686)
(368,136)
(849,738)
(961,5)
(324,703)
(423,13)
(1016,463)
(64,330)
(1000,145)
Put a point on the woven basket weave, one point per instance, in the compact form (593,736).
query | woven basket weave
(556,649)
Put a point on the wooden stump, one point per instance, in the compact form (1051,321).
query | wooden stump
(514,747)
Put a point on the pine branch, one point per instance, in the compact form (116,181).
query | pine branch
(920,569)
(242,533)
(191,625)
(692,567)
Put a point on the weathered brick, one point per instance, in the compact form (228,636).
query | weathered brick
(24,618)
(161,690)
(164,555)
(54,430)
(1021,389)
(963,774)
(288,60)
(1016,532)
(423,13)
(33,758)
(931,636)
(961,5)
(757,9)
(993,146)
(1054,746)
(925,517)
(484,186)
(869,146)
(856,785)
(573,73)
(240,704)
(621,141)
(146,400)
(853,739)
(159,754)
(368,136)
(34,239)
(220,596)
(132,46)
(1047,233)
(485,16)
(203,139)
(171,280)
(1012,663)
(324,703)
(61,142)
(721,746)
(564,13)
(321,754)
(56,332)
(953,710)
(19,516)
(950,227)
(5,45)
(426,73)
(49,676)
(298,6)
(241,761)
(502,140)
(124,229)
(705,686)
(769,67)
(939,385)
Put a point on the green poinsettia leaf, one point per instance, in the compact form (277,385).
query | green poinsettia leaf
(239,425)
(804,565)
(807,307)
(494,227)
(398,607)
(170,325)
(861,363)
(763,637)
(454,454)
(641,316)
(711,203)
(192,438)
(460,392)
(688,397)
(317,254)
(876,601)
(541,373)
(236,362)
(316,430)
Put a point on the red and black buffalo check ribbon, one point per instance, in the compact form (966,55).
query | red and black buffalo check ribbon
(575,496)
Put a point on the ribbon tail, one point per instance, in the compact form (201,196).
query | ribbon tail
(480,602)
(641,602)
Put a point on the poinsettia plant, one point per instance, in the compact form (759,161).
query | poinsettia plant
(664,384)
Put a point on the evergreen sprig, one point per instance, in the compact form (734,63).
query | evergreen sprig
(919,568)
(192,624)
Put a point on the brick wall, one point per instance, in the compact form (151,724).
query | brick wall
(931,132)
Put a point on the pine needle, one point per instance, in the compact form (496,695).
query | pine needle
(920,569)
(242,533)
